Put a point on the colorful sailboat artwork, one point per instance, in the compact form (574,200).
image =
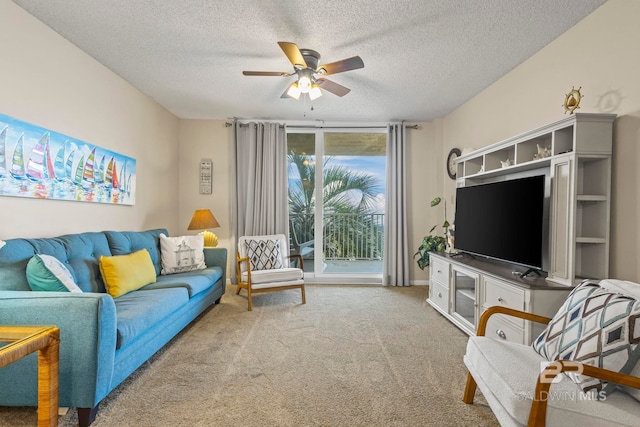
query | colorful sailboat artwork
(88,177)
(98,173)
(17,161)
(115,192)
(58,164)
(39,166)
(68,166)
(77,180)
(41,163)
(3,152)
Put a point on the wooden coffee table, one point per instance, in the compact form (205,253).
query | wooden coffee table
(17,342)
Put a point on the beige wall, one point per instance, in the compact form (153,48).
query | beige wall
(206,139)
(599,54)
(425,176)
(49,82)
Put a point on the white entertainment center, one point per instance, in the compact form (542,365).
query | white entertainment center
(575,154)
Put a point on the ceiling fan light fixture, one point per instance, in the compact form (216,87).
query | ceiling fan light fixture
(294,91)
(304,84)
(315,92)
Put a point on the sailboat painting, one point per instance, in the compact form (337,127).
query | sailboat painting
(40,163)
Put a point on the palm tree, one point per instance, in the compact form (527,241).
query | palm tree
(347,193)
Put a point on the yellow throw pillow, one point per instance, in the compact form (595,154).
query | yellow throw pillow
(126,273)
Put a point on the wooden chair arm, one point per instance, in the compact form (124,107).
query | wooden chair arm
(239,262)
(538,413)
(299,259)
(484,318)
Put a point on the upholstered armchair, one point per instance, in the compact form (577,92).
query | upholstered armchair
(263,265)
(596,326)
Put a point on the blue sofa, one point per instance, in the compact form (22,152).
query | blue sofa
(103,340)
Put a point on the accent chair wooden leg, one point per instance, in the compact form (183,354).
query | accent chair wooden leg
(249,299)
(238,290)
(87,415)
(470,390)
(304,299)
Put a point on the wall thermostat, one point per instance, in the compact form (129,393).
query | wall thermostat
(206,184)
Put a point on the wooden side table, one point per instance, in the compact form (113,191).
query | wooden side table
(17,342)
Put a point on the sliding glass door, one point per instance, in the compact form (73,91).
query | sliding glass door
(336,201)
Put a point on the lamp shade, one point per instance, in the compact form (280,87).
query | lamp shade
(203,219)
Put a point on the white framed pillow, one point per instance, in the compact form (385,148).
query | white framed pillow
(180,254)
(47,273)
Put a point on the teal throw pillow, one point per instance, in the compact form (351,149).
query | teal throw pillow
(47,273)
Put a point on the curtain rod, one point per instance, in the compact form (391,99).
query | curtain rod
(228,124)
(243,125)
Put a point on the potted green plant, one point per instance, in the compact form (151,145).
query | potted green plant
(433,243)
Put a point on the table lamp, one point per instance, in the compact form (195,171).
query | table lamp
(202,220)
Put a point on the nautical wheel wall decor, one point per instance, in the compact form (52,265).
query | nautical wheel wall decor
(572,100)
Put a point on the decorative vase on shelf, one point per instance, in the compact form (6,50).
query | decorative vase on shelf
(451,233)
(542,153)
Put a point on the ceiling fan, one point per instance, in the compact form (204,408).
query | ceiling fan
(310,75)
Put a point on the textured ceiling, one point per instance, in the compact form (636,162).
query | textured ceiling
(423,58)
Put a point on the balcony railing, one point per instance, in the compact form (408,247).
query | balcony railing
(345,236)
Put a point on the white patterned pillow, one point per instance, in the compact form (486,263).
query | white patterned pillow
(180,254)
(264,254)
(596,327)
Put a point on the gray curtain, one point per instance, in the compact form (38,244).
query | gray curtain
(396,247)
(260,185)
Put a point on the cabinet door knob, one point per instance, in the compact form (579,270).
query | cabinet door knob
(501,334)
(439,294)
(438,271)
(500,299)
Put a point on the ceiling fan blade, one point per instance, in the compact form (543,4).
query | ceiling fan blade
(348,64)
(265,73)
(333,87)
(293,53)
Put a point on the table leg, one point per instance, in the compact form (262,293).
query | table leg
(48,371)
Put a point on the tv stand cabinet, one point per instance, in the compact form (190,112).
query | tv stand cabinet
(462,287)
(575,155)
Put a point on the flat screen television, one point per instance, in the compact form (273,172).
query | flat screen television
(502,220)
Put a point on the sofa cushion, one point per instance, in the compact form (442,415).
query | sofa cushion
(126,242)
(194,281)
(126,273)
(181,254)
(273,278)
(138,311)
(78,252)
(47,273)
(594,326)
(509,371)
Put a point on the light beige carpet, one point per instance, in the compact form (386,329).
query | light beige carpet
(352,356)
